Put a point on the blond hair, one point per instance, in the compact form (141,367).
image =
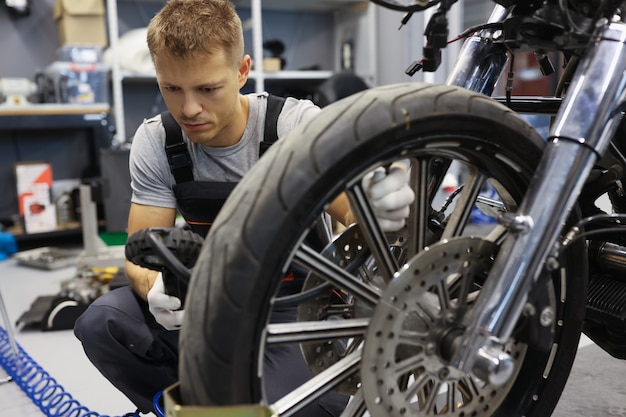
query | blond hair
(187,28)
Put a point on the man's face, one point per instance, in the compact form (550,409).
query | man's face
(202,93)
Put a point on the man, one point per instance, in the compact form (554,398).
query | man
(130,334)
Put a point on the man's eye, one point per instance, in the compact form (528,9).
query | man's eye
(208,90)
(171,88)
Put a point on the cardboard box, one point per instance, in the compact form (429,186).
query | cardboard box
(81,22)
(271,64)
(34,181)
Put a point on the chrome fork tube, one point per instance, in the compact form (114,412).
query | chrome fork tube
(584,125)
(480,62)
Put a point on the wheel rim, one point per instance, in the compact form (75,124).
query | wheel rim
(341,369)
(258,236)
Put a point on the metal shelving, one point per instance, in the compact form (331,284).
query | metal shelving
(303,5)
(92,118)
(118,76)
(257,32)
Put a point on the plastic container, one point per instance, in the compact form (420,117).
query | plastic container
(81,54)
(76,83)
(8,245)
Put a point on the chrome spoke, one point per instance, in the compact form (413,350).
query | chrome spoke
(372,233)
(356,407)
(315,330)
(417,223)
(464,204)
(318,385)
(324,268)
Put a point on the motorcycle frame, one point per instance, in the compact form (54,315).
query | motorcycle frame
(583,128)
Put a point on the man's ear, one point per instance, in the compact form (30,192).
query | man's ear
(244,70)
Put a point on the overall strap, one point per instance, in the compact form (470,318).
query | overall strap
(176,150)
(274,107)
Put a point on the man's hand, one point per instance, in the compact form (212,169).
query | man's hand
(164,307)
(390,195)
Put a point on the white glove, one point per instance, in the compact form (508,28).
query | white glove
(164,307)
(390,196)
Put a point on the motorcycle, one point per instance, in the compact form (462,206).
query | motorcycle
(444,317)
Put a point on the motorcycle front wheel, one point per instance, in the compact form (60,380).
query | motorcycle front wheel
(471,159)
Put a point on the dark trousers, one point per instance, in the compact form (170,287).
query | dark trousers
(122,339)
(140,358)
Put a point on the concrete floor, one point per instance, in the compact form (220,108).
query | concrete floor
(58,352)
(596,388)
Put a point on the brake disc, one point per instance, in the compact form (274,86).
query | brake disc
(412,330)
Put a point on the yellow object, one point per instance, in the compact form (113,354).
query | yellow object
(106,274)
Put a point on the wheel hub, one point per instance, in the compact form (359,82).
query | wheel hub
(415,329)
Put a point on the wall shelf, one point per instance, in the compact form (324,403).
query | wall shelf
(49,126)
(294,75)
(304,5)
(46,116)
(277,75)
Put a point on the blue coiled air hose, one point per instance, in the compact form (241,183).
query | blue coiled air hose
(42,389)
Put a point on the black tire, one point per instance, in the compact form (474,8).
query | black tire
(260,229)
(184,245)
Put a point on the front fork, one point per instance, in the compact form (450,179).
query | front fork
(583,128)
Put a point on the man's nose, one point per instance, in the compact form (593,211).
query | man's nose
(191,106)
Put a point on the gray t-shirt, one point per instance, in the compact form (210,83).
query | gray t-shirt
(151,178)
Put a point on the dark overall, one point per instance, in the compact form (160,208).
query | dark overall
(121,337)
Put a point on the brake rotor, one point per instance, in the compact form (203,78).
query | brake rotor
(420,313)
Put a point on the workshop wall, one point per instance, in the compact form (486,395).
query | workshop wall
(30,43)
(312,41)
(27,42)
(306,37)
